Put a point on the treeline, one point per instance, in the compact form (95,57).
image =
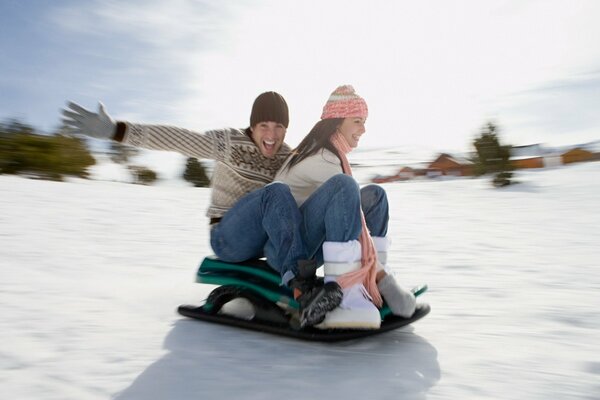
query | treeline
(24,151)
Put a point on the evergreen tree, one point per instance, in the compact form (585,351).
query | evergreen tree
(121,153)
(492,157)
(195,173)
(43,156)
(143,175)
(74,156)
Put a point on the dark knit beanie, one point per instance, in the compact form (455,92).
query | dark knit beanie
(270,106)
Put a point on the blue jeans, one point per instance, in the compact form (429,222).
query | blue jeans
(265,222)
(332,213)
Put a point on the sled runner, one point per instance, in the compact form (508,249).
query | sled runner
(274,309)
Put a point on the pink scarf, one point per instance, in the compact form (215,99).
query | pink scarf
(368,272)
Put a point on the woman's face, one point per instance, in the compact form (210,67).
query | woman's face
(352,129)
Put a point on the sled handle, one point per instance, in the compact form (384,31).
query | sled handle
(419,290)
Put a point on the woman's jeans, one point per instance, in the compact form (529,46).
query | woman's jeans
(265,222)
(332,213)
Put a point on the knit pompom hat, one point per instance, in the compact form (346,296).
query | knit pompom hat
(345,103)
(270,106)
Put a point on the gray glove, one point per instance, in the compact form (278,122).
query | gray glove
(79,120)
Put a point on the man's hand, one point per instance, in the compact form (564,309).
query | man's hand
(79,120)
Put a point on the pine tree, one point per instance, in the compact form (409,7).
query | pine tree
(195,173)
(492,157)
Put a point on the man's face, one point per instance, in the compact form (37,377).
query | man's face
(268,137)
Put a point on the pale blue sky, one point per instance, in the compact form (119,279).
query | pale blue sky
(432,72)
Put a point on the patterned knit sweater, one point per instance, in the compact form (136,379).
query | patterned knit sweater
(240,166)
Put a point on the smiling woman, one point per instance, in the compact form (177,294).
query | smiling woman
(339,218)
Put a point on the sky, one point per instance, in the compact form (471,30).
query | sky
(432,72)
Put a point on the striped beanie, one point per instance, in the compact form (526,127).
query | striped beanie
(345,103)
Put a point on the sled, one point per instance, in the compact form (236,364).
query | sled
(273,308)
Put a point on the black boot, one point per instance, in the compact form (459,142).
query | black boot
(316,298)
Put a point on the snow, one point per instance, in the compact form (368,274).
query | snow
(169,167)
(91,273)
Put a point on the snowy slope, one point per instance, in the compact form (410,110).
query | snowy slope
(91,273)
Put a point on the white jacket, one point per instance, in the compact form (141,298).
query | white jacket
(308,175)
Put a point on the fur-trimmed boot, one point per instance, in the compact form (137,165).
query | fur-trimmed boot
(356,310)
(400,301)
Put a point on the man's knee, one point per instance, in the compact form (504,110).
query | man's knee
(278,189)
(372,194)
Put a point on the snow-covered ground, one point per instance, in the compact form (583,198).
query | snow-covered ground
(91,273)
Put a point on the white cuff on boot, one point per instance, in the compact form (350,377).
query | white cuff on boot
(341,257)
(338,252)
(382,243)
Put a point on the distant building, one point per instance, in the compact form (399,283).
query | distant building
(533,156)
(594,148)
(528,162)
(527,156)
(406,173)
(403,174)
(384,178)
(447,165)
(577,154)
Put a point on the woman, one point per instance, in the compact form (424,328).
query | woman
(343,226)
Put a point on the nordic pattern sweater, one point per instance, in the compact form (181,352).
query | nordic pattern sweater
(239,169)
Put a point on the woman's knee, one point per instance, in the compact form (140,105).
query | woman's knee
(344,191)
(343,182)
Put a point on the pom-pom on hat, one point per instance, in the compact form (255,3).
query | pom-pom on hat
(270,106)
(345,103)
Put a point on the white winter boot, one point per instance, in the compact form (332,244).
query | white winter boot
(382,245)
(356,310)
(400,301)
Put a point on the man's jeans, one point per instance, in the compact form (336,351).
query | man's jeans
(332,213)
(265,222)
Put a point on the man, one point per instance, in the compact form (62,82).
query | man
(250,217)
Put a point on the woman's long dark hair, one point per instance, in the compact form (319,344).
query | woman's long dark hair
(316,140)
